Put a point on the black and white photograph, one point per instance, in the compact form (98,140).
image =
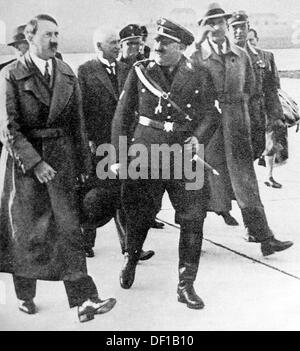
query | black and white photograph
(149,168)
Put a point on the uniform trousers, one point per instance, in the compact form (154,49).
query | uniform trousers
(140,199)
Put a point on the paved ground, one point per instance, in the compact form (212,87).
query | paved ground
(239,293)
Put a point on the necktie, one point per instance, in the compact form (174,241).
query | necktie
(220,52)
(47,74)
(111,69)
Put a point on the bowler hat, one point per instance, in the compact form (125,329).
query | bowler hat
(214,11)
(238,17)
(131,31)
(19,36)
(174,31)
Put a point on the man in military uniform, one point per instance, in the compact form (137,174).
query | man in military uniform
(182,113)
(131,41)
(267,119)
(230,149)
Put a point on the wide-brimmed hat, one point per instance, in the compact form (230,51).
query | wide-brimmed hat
(174,31)
(19,36)
(214,11)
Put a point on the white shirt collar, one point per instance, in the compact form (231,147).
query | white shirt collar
(104,60)
(215,46)
(41,64)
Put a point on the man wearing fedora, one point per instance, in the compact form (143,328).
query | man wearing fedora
(160,122)
(268,130)
(19,42)
(230,149)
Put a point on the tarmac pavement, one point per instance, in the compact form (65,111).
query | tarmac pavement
(240,293)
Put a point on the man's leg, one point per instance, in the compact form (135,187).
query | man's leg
(83,294)
(190,207)
(120,221)
(25,290)
(137,202)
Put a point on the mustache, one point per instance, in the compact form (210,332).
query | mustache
(53,45)
(161,51)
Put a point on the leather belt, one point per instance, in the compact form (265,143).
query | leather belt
(166,126)
(46,133)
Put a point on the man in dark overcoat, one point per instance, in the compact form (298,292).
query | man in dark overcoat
(230,149)
(160,122)
(45,151)
(101,81)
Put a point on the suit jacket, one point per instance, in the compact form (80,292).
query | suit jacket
(40,236)
(100,98)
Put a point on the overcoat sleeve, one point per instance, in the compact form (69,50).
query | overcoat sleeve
(87,101)
(22,151)
(79,133)
(125,112)
(249,77)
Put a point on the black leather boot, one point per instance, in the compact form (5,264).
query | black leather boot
(187,294)
(127,274)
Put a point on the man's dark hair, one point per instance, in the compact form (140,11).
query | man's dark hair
(254,32)
(32,25)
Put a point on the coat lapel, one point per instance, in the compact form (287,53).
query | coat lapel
(122,71)
(33,82)
(102,76)
(62,90)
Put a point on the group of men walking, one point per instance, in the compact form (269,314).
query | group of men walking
(52,125)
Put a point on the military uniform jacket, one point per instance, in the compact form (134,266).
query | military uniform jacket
(191,89)
(40,235)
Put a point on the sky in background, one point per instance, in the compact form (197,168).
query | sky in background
(78,18)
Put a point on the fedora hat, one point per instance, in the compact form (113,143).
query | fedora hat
(19,36)
(214,11)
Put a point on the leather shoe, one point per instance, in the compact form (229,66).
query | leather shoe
(146,255)
(27,306)
(89,252)
(271,182)
(91,307)
(157,225)
(273,245)
(249,238)
(127,274)
(187,294)
(228,219)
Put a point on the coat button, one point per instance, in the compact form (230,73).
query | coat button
(169,105)
(188,105)
(196,91)
(143,90)
(169,117)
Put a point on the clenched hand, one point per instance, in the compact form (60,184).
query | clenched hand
(44,172)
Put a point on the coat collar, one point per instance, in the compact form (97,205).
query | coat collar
(207,51)
(182,75)
(62,89)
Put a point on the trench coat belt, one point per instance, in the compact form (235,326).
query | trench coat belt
(230,98)
(166,126)
(46,133)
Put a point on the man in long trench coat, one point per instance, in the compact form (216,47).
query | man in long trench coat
(230,149)
(45,149)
